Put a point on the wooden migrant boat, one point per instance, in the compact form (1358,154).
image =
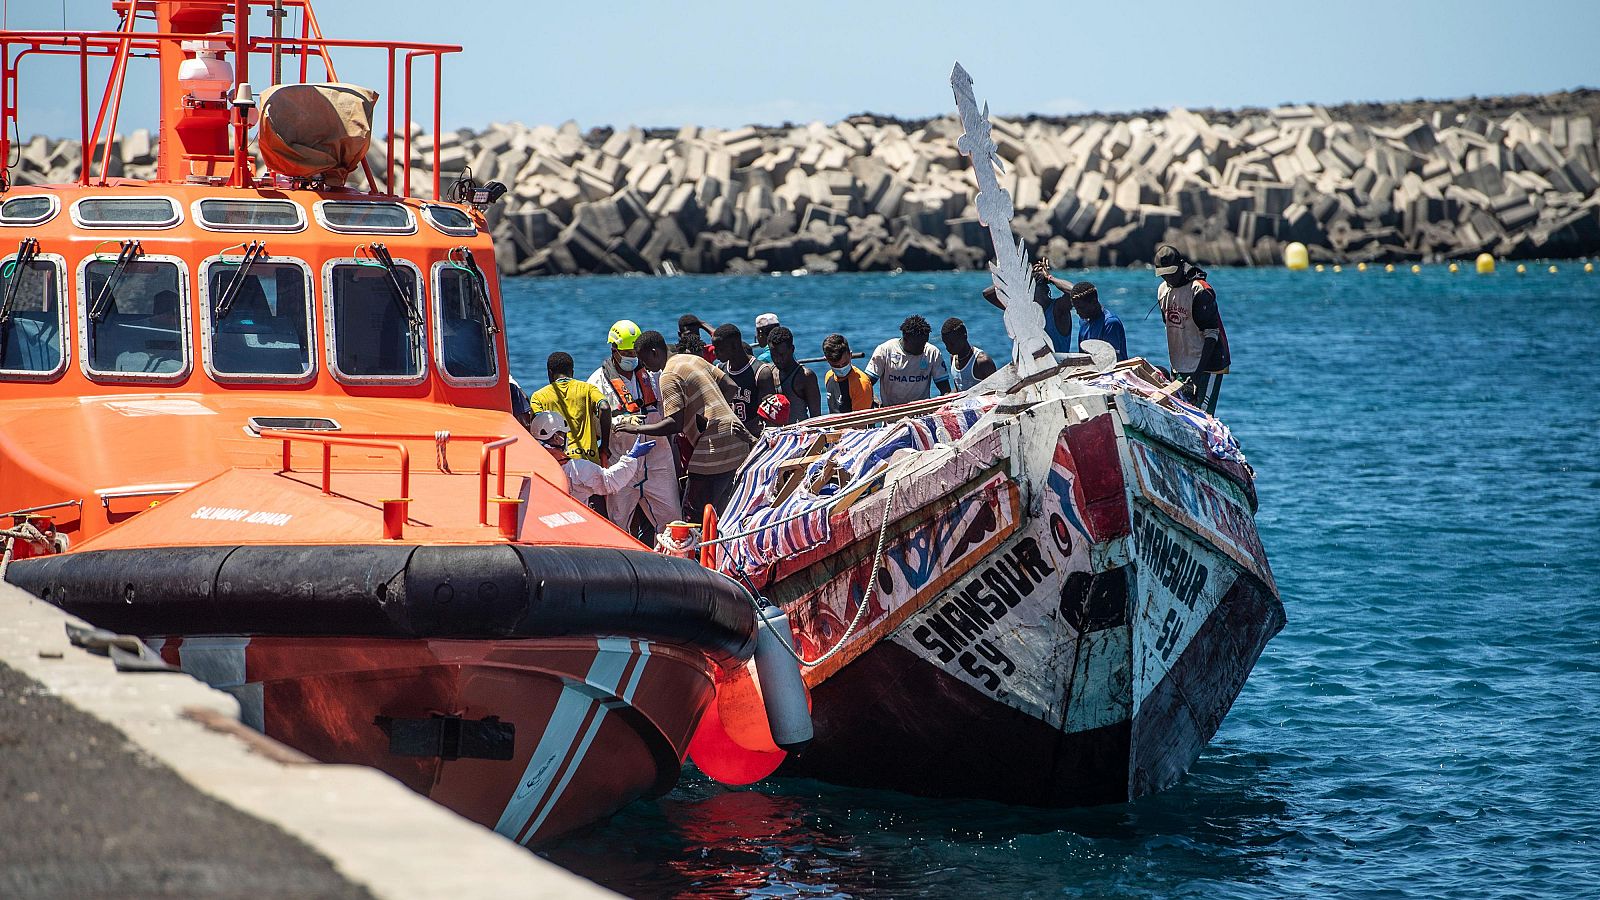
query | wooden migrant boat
(262,420)
(1047,590)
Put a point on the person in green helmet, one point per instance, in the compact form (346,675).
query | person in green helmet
(631,394)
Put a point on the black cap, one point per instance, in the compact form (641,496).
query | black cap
(1168,260)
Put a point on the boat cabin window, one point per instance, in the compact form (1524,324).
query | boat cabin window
(365,217)
(466,348)
(258,319)
(249,215)
(134,321)
(375,317)
(31,318)
(449,220)
(34,210)
(126,212)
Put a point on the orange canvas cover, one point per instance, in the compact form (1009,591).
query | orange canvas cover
(309,130)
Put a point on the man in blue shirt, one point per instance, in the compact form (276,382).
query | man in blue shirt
(1096,323)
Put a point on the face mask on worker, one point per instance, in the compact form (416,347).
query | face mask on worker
(841,371)
(629,363)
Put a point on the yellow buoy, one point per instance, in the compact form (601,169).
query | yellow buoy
(1389,267)
(1338,268)
(1319,267)
(1454,268)
(1552,270)
(1522,269)
(1296,257)
(1588,268)
(1485,263)
(1416,269)
(1361,267)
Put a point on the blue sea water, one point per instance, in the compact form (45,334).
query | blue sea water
(1428,723)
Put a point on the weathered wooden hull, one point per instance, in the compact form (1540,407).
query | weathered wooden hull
(1067,606)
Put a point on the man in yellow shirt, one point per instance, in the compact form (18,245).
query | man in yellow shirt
(579,404)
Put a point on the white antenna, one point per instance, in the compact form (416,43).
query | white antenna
(1012,271)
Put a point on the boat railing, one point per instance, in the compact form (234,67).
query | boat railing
(126,43)
(491,460)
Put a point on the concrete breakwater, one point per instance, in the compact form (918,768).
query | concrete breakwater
(1516,177)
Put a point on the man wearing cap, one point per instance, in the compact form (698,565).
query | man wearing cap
(764,325)
(1197,344)
(650,500)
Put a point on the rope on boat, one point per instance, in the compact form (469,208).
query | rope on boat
(756,600)
(441,440)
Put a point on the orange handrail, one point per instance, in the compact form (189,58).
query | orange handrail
(328,441)
(483,475)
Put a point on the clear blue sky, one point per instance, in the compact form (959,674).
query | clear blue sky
(714,62)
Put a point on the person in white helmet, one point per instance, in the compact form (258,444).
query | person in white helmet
(584,478)
(632,394)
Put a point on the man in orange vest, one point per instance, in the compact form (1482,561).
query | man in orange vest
(631,393)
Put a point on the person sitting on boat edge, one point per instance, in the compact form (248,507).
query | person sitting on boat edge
(578,403)
(755,381)
(764,325)
(968,364)
(849,388)
(1197,343)
(907,368)
(693,390)
(1057,315)
(631,394)
(585,479)
(798,383)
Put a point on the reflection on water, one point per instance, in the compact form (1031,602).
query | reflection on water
(800,838)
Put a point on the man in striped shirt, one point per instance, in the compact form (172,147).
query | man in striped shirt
(694,391)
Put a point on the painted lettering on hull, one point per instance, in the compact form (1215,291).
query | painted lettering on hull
(957,629)
(1179,582)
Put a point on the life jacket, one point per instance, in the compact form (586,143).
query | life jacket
(647,394)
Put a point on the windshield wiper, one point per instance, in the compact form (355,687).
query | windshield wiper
(131,250)
(26,251)
(481,286)
(253,252)
(381,253)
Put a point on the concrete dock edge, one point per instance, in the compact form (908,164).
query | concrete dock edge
(376,832)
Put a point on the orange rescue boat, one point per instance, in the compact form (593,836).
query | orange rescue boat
(261,420)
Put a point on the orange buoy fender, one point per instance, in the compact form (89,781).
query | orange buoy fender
(714,748)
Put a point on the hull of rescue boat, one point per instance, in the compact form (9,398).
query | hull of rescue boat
(533,689)
(1064,612)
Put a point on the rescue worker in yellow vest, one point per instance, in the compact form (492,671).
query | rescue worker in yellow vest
(631,393)
(1197,344)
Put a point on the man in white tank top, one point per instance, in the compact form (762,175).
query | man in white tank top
(968,364)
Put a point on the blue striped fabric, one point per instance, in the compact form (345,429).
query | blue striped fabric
(861,455)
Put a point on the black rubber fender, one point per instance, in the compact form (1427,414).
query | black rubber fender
(400,591)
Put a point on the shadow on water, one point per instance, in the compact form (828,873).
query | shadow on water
(801,838)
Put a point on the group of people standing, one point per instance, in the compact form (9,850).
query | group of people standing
(658,431)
